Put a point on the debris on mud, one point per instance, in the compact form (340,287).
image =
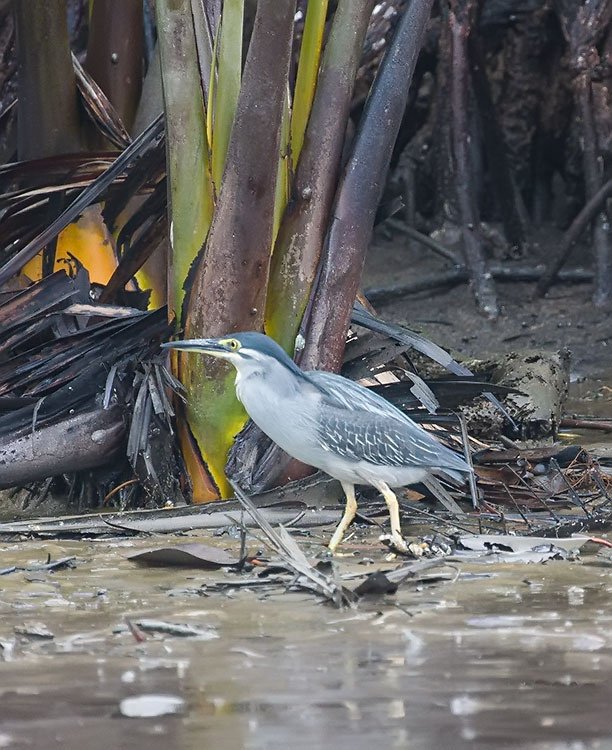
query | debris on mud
(192,555)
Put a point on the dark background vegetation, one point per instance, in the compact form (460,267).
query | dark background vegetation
(494,116)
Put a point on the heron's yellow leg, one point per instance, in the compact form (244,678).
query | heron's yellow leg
(394,518)
(349,513)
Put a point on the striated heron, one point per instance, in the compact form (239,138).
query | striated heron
(331,423)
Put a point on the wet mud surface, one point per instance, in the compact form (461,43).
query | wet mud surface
(501,656)
(484,655)
(565,318)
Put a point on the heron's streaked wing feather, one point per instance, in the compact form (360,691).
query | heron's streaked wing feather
(346,394)
(379,440)
(375,430)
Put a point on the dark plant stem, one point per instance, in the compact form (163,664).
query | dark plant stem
(47,115)
(114,54)
(359,194)
(481,280)
(229,286)
(592,179)
(298,246)
(497,157)
(584,30)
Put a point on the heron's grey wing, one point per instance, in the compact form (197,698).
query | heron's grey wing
(361,425)
(346,394)
(382,441)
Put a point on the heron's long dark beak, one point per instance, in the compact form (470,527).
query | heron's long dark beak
(205,346)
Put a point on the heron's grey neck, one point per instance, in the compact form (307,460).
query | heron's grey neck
(253,376)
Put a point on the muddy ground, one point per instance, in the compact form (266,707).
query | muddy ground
(478,655)
(566,317)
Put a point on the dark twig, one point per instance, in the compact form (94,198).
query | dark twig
(293,557)
(468,459)
(575,496)
(518,274)
(516,505)
(594,472)
(587,214)
(537,497)
(586,423)
(423,239)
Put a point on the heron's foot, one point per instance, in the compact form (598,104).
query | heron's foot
(327,553)
(395,541)
(333,543)
(332,552)
(414,549)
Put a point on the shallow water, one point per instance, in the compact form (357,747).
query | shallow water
(504,656)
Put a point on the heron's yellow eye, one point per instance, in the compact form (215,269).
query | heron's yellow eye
(232,344)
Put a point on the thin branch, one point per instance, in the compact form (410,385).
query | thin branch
(517,274)
(576,228)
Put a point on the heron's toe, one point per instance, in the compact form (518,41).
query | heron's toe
(395,541)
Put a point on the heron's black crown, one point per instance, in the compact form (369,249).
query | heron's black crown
(264,345)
